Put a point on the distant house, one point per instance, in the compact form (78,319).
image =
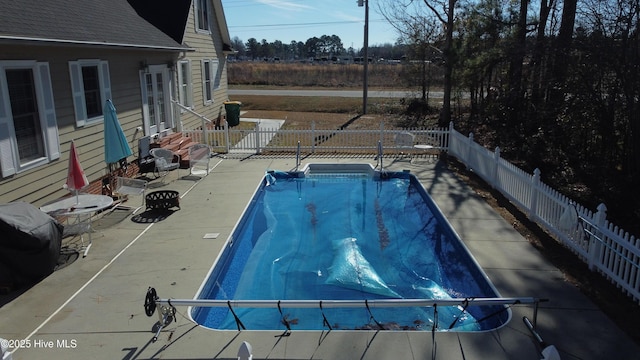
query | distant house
(60,60)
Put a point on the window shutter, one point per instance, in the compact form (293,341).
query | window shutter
(106,81)
(181,92)
(77,90)
(204,64)
(53,143)
(145,104)
(6,150)
(214,73)
(189,85)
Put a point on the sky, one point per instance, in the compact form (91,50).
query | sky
(299,20)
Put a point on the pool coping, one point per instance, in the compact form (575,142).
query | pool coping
(315,170)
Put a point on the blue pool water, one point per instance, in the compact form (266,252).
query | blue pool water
(346,236)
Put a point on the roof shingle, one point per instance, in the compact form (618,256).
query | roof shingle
(92,22)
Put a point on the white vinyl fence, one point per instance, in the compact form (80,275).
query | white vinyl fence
(310,141)
(602,245)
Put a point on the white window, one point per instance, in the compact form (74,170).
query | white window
(210,79)
(202,16)
(91,87)
(185,90)
(207,90)
(28,126)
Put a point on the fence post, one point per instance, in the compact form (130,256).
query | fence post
(447,138)
(258,137)
(494,172)
(596,240)
(468,154)
(204,132)
(313,137)
(226,136)
(535,190)
(381,131)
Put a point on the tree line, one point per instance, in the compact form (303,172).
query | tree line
(558,82)
(325,46)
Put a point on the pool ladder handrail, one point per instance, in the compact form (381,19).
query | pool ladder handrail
(297,156)
(379,156)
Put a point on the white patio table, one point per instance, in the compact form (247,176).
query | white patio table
(82,207)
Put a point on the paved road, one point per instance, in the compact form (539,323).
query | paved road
(333,93)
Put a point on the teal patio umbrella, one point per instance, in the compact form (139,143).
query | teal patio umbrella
(116,147)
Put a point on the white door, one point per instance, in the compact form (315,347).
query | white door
(155,83)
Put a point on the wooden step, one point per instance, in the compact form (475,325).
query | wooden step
(185,143)
(184,158)
(180,145)
(169,139)
(172,147)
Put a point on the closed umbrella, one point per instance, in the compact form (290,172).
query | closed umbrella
(116,147)
(76,179)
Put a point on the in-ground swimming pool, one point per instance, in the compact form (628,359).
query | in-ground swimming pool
(345,232)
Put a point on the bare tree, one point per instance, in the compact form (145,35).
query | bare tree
(518,50)
(539,48)
(419,33)
(444,11)
(408,18)
(565,36)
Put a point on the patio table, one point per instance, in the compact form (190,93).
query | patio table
(82,207)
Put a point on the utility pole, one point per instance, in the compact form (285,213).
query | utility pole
(365,85)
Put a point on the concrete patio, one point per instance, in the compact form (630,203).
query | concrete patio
(93,308)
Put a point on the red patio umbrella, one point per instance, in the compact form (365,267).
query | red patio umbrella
(76,179)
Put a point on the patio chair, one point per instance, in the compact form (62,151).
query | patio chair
(404,141)
(163,159)
(126,187)
(145,160)
(199,158)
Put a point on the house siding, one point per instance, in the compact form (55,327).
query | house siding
(44,183)
(207,46)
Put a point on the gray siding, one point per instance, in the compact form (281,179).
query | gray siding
(44,183)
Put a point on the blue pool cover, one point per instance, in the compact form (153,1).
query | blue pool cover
(346,237)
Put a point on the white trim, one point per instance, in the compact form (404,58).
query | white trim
(185,96)
(207,84)
(199,29)
(7,162)
(9,156)
(167,83)
(145,104)
(77,89)
(94,44)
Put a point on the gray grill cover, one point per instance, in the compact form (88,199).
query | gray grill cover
(30,243)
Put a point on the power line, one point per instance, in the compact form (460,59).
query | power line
(247,3)
(304,24)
